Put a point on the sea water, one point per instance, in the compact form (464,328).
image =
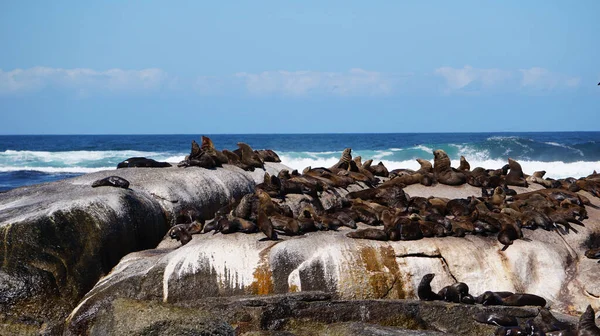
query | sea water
(31,159)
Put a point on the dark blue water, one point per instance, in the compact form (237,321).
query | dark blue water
(42,158)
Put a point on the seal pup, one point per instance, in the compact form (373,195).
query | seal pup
(424,290)
(111,181)
(587,323)
(443,171)
(142,162)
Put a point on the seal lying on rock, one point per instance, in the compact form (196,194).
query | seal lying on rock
(142,162)
(111,181)
(444,173)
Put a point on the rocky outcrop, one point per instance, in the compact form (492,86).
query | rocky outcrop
(551,265)
(58,239)
(306,313)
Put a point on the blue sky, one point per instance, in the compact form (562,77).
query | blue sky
(75,67)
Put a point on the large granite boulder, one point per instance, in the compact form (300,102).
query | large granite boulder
(58,239)
(550,265)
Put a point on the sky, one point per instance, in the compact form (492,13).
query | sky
(188,67)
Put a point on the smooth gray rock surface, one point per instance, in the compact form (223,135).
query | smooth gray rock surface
(57,239)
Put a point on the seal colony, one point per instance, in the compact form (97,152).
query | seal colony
(351,192)
(321,199)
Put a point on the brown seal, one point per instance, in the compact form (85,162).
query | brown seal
(515,176)
(464,164)
(248,156)
(443,171)
(268,155)
(208,148)
(345,160)
(180,233)
(370,233)
(265,225)
(498,197)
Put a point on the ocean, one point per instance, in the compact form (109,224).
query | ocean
(31,159)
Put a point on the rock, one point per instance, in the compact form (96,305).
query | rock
(59,238)
(132,317)
(236,264)
(306,313)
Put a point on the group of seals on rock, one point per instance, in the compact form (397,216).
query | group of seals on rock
(410,218)
(386,204)
(543,324)
(459,293)
(207,156)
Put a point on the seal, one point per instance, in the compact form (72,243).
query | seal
(345,161)
(424,290)
(369,233)
(268,155)
(248,156)
(208,148)
(142,162)
(233,159)
(111,181)
(464,164)
(587,324)
(515,176)
(524,299)
(265,225)
(180,233)
(443,171)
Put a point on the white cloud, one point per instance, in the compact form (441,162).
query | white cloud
(300,83)
(540,78)
(81,80)
(459,78)
(535,78)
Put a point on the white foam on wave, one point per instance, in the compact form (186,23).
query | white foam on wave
(303,162)
(578,151)
(72,158)
(381,154)
(471,152)
(423,148)
(55,170)
(556,169)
